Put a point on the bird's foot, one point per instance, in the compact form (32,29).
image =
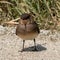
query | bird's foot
(35,49)
(21,50)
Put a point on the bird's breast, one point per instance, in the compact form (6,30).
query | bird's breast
(27,32)
(28,36)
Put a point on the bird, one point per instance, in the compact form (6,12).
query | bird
(27,29)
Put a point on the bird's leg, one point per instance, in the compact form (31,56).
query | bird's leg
(35,45)
(23,44)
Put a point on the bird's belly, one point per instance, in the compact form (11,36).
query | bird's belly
(28,36)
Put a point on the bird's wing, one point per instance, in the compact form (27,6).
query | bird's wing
(37,28)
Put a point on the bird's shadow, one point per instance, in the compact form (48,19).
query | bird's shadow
(38,47)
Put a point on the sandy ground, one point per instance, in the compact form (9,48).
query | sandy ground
(48,46)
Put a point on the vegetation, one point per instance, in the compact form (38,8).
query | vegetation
(47,12)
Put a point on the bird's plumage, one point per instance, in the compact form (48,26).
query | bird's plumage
(27,29)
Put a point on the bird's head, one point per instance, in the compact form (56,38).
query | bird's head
(26,18)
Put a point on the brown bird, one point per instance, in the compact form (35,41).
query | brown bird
(27,29)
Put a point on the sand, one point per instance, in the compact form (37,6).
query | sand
(48,46)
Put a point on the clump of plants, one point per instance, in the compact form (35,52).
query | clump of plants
(47,12)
